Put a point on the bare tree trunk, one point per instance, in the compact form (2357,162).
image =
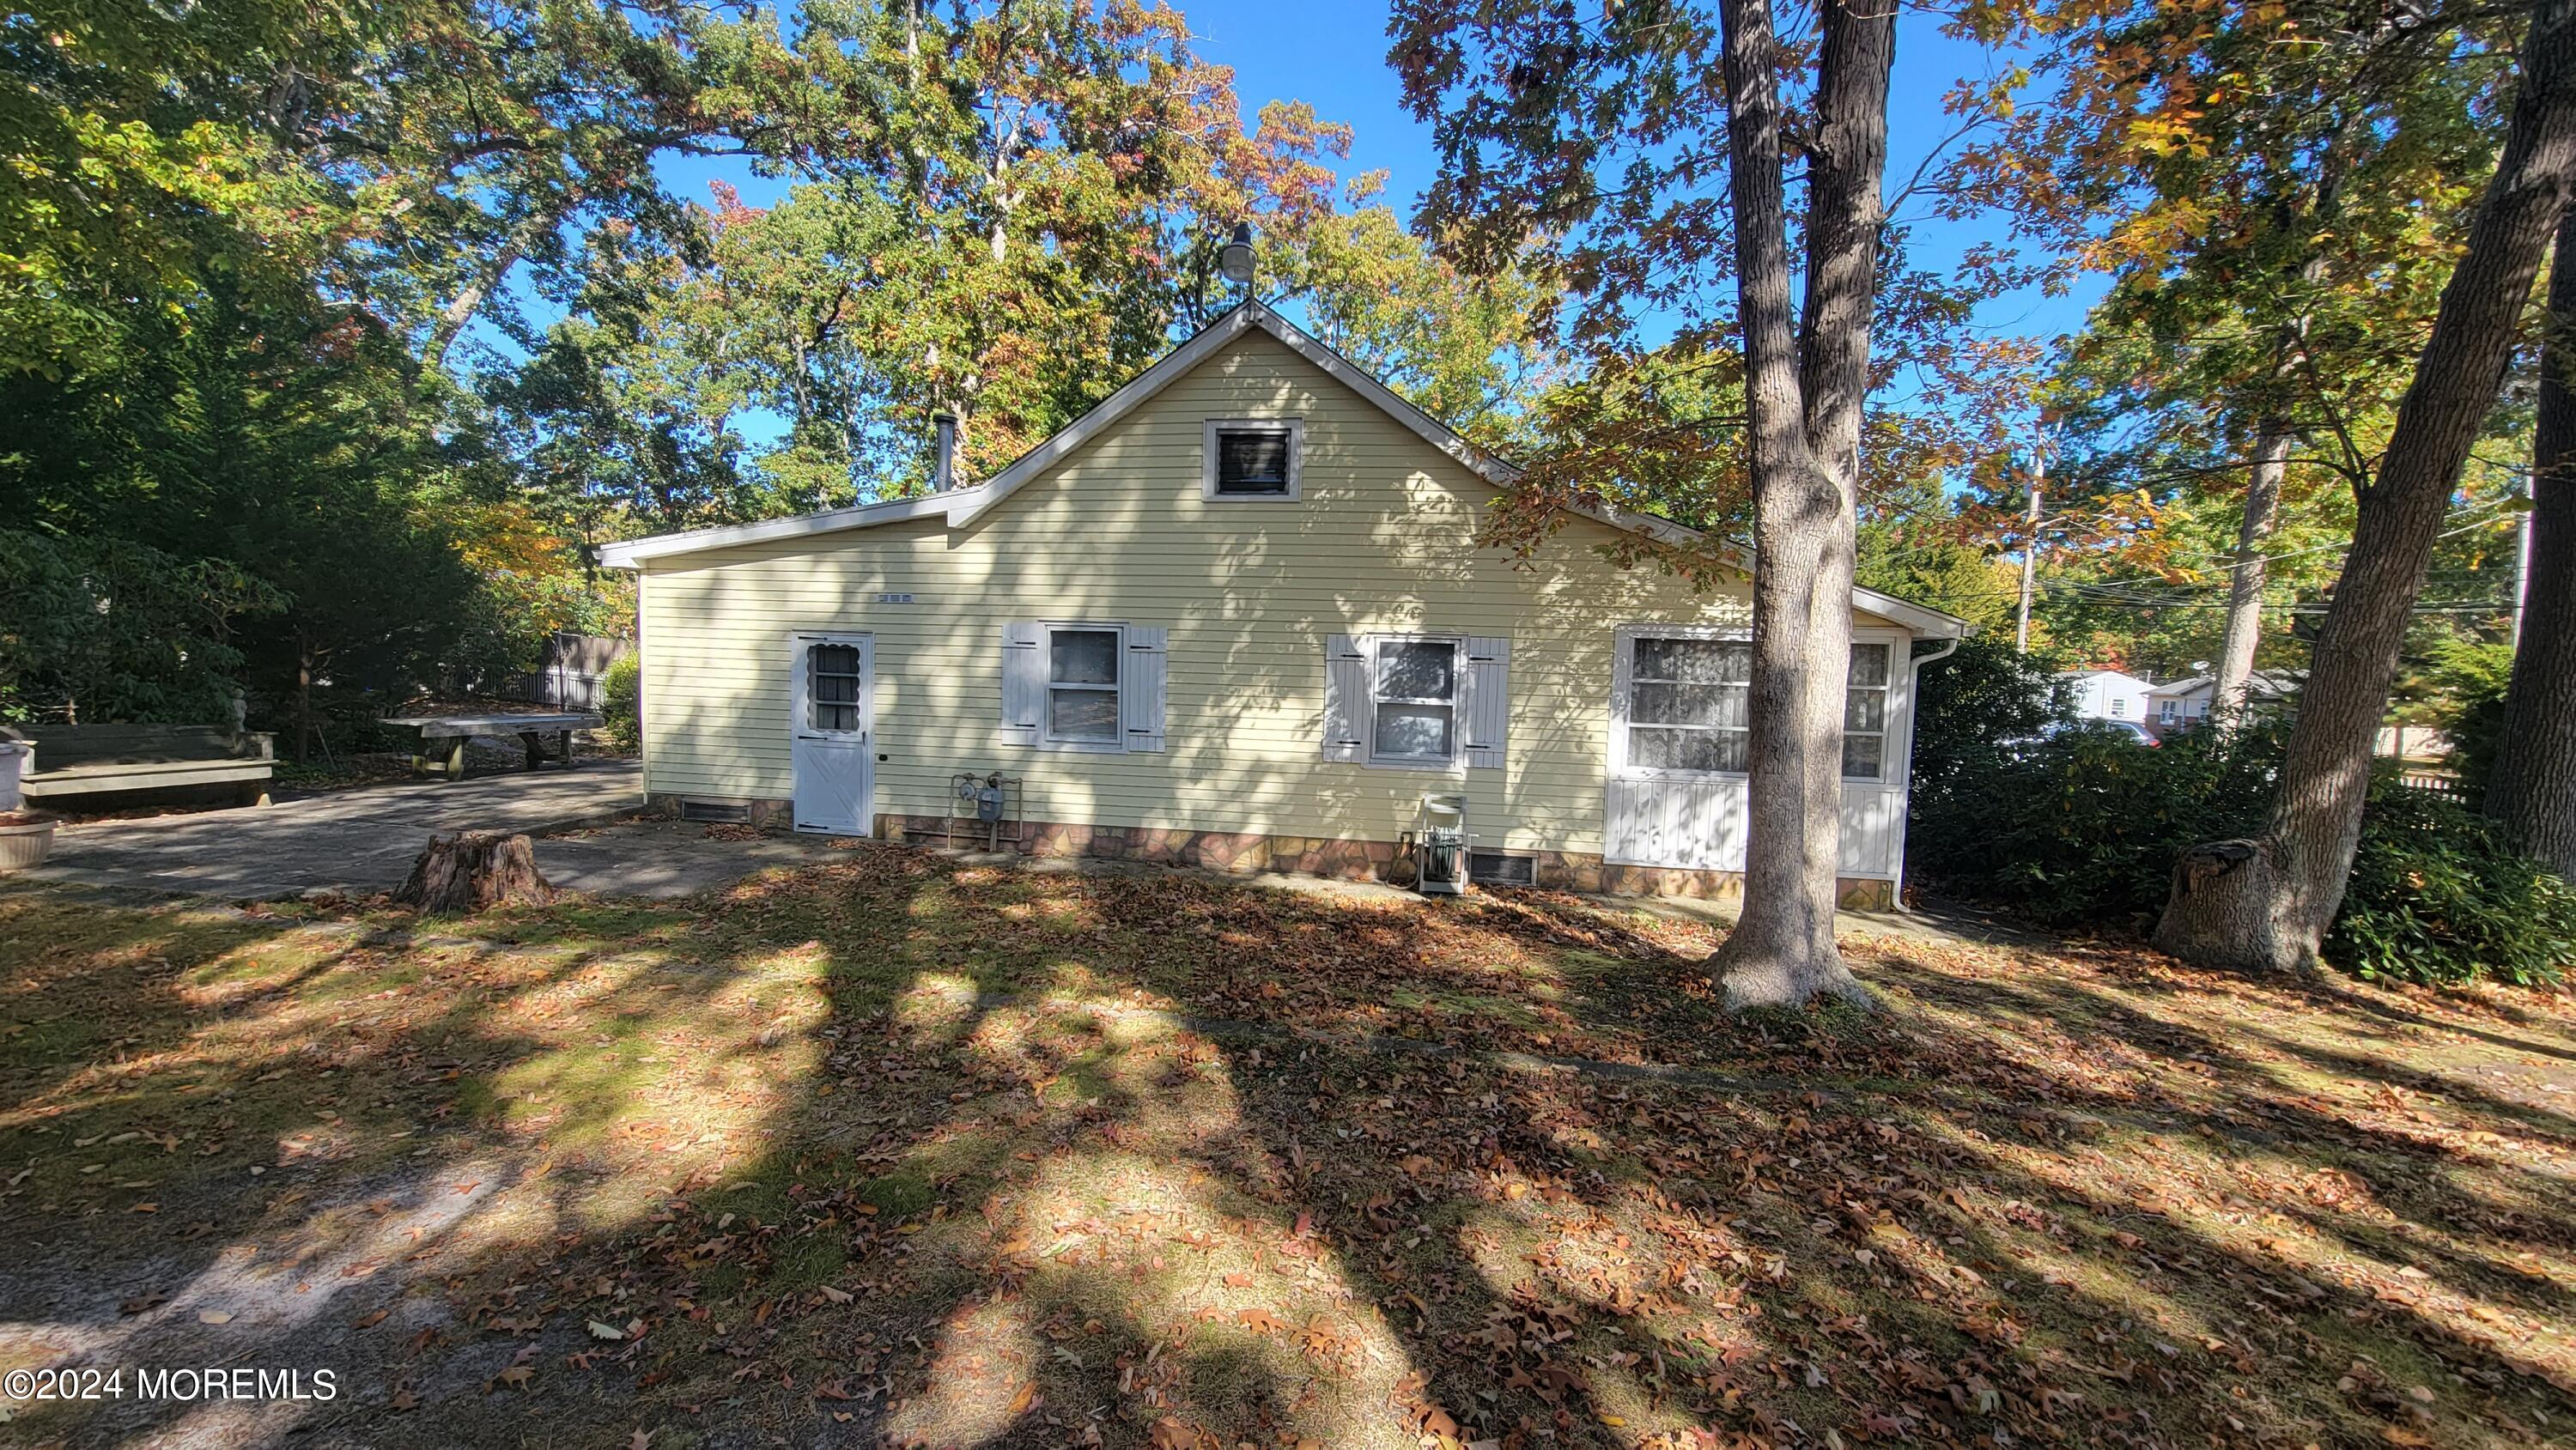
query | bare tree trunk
(2245,577)
(2270,910)
(478,289)
(1804,395)
(2532,792)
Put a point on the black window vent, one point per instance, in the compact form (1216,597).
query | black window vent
(734,812)
(1493,868)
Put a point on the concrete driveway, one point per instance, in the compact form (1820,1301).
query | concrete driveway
(364,840)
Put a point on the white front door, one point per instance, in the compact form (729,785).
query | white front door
(832,732)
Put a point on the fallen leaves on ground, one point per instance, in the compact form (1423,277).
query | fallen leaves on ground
(908,1151)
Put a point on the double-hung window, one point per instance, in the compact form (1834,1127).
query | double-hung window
(1252,459)
(1413,701)
(1082,683)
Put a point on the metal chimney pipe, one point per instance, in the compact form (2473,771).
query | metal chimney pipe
(943,468)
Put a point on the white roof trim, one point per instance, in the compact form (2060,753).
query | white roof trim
(1197,350)
(964,505)
(633,552)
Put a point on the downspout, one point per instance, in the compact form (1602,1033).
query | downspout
(643,738)
(1913,708)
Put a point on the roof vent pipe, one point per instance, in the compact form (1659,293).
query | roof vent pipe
(943,466)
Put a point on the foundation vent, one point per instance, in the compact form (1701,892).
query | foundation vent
(728,812)
(1496,868)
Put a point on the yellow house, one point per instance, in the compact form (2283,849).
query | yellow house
(1237,616)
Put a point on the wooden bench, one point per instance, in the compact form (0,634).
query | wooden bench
(456,730)
(102,767)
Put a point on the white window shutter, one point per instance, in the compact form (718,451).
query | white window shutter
(1023,681)
(1346,687)
(1488,703)
(1140,686)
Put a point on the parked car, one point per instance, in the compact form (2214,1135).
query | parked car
(2129,728)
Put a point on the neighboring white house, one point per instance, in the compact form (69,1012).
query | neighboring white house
(2182,704)
(2108,695)
(1241,615)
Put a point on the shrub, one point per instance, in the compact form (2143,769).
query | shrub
(2084,825)
(2017,803)
(2467,682)
(1975,704)
(117,631)
(2436,897)
(621,695)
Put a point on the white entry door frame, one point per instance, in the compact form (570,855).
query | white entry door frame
(832,709)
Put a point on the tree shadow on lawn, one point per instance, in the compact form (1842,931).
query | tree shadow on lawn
(905,1150)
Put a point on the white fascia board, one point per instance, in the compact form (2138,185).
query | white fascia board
(1927,622)
(634,552)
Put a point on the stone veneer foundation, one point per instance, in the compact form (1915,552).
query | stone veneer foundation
(1245,853)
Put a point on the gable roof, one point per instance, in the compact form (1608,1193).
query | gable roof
(2262,685)
(963,505)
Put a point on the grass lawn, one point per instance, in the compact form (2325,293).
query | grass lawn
(899,1150)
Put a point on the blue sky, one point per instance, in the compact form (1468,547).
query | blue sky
(1333,53)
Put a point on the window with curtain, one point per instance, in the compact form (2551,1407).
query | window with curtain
(832,685)
(1687,704)
(1865,713)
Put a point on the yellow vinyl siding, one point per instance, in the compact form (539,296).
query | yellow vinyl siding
(1381,542)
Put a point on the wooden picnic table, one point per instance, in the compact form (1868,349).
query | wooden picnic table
(456,730)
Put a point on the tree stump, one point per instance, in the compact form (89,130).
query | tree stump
(464,873)
(2221,911)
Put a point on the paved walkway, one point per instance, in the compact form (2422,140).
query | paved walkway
(364,840)
(356,840)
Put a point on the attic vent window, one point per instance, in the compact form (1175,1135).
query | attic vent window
(1253,459)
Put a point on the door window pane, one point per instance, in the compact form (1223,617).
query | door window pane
(832,686)
(1696,661)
